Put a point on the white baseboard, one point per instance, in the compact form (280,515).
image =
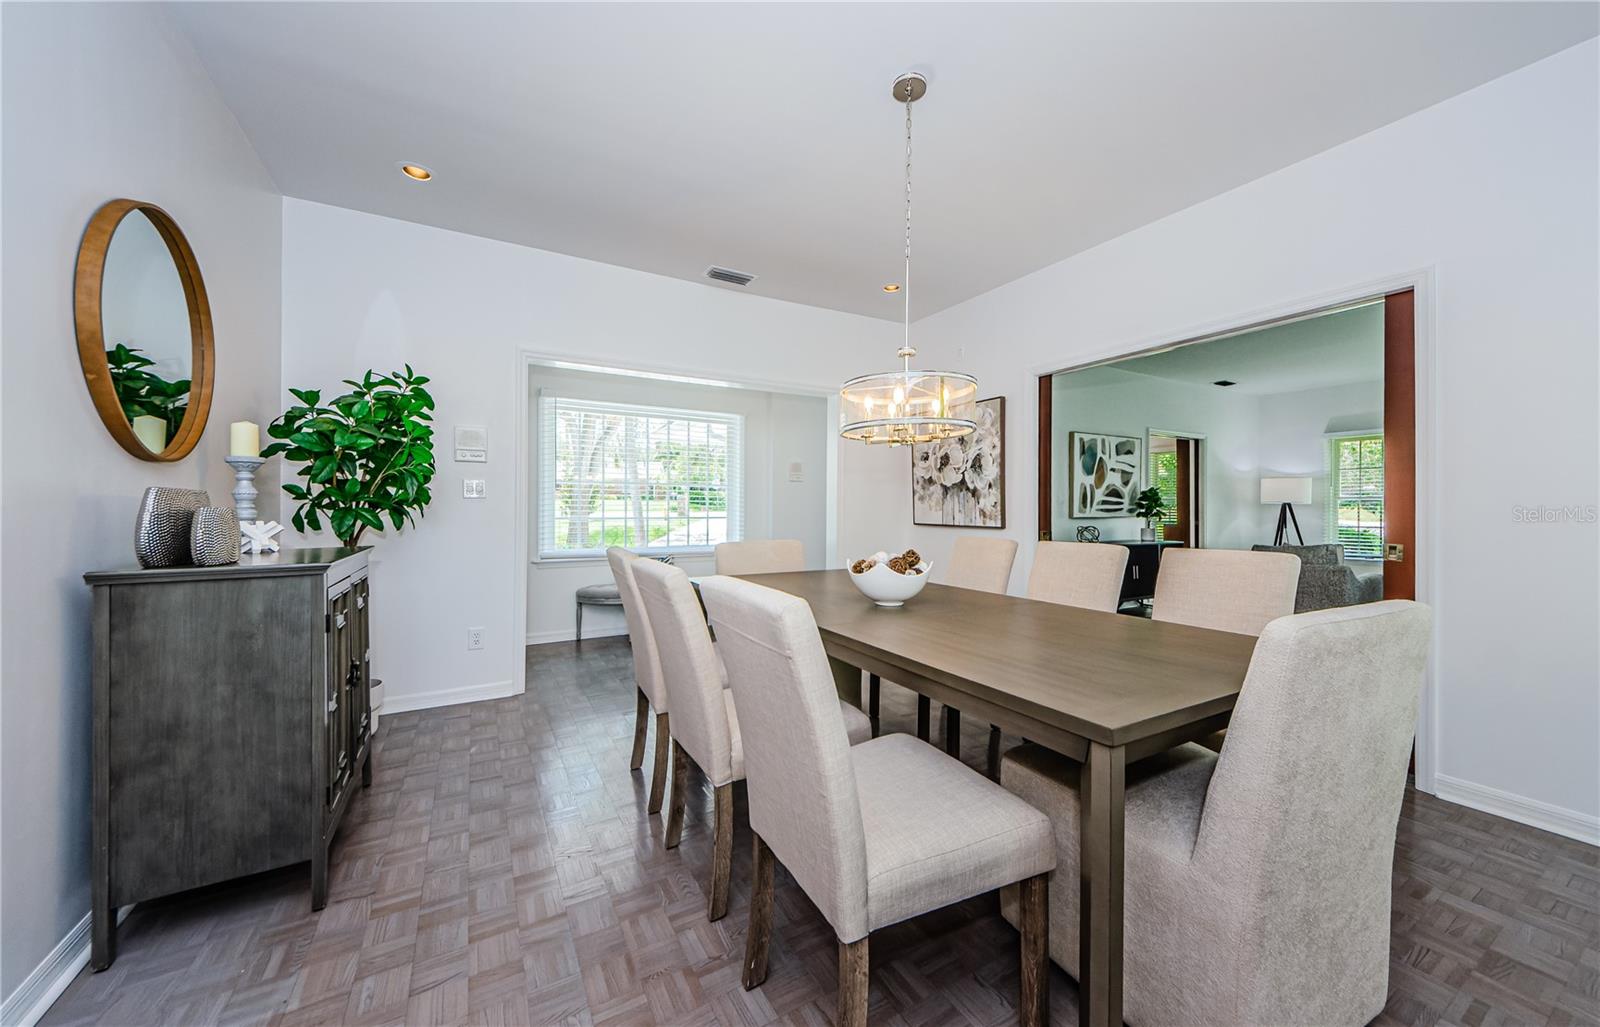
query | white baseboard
(39,990)
(393,704)
(562,635)
(1555,819)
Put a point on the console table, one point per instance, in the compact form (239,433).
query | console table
(231,711)
(1144,562)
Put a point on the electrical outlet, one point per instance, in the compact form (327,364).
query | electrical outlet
(474,488)
(474,639)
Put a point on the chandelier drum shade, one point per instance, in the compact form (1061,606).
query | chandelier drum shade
(906,406)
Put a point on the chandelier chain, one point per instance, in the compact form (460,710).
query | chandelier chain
(907,289)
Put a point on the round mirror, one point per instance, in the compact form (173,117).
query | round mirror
(144,330)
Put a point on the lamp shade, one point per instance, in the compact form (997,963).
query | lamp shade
(1285,490)
(899,408)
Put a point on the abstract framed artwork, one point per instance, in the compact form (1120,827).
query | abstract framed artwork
(961,483)
(1105,473)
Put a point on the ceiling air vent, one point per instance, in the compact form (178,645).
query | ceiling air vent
(728,276)
(1224,382)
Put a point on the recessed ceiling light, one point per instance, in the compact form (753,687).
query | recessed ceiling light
(415,172)
(892,287)
(1224,382)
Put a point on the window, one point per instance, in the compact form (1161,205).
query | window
(1164,476)
(646,478)
(1355,495)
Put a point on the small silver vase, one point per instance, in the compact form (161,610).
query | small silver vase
(161,534)
(214,536)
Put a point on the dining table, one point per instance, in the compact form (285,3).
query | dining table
(1103,689)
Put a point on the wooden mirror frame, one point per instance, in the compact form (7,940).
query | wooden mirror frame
(91,333)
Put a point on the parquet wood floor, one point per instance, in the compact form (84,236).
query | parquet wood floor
(502,870)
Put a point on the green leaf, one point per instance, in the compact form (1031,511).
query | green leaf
(274,449)
(310,397)
(324,467)
(298,521)
(369,517)
(311,441)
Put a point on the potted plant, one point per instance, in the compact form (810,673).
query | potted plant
(366,456)
(1148,506)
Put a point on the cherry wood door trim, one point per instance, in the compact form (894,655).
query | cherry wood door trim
(1400,443)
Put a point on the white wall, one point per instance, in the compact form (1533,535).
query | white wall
(778,429)
(1495,192)
(1118,402)
(130,113)
(1294,429)
(364,291)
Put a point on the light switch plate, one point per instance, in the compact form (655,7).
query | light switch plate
(474,488)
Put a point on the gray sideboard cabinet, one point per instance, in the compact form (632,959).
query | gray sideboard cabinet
(231,715)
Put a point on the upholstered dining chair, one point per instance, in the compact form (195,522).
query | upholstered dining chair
(874,833)
(647,676)
(705,722)
(980,563)
(1084,574)
(1225,589)
(1259,880)
(761,556)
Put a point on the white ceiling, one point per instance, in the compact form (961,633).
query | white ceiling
(762,136)
(1340,348)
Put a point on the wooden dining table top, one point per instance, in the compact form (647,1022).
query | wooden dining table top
(1106,677)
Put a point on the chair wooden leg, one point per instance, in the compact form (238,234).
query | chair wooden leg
(1033,915)
(721,853)
(759,936)
(873,683)
(680,770)
(853,982)
(952,731)
(658,775)
(994,753)
(641,727)
(924,717)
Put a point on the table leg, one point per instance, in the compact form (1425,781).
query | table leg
(847,679)
(1104,776)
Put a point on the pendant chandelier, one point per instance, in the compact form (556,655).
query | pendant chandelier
(898,408)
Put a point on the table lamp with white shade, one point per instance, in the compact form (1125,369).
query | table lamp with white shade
(1286,492)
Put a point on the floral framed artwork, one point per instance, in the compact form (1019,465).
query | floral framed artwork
(1105,473)
(961,482)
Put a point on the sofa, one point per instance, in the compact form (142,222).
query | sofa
(1326,580)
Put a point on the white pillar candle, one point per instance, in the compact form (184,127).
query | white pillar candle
(244,438)
(152,431)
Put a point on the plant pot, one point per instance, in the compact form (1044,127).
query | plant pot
(1147,534)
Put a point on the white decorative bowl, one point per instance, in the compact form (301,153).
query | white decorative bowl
(886,588)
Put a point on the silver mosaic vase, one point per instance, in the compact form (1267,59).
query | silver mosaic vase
(161,534)
(214,536)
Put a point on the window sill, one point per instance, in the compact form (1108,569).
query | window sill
(588,558)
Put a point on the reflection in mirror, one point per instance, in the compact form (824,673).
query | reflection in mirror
(145,317)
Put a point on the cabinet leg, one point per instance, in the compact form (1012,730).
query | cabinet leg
(102,933)
(366,768)
(319,877)
(924,716)
(952,731)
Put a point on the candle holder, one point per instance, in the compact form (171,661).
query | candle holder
(244,488)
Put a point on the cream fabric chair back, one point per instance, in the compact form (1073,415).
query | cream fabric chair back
(797,762)
(761,556)
(689,666)
(1086,574)
(646,660)
(1225,589)
(1299,822)
(983,564)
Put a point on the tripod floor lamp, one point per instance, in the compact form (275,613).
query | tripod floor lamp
(1286,492)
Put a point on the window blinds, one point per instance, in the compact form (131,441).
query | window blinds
(1355,499)
(647,478)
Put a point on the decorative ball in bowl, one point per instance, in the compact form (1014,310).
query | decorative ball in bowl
(890,579)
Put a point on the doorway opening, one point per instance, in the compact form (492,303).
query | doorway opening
(1174,469)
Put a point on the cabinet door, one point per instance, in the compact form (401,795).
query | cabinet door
(360,666)
(339,753)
